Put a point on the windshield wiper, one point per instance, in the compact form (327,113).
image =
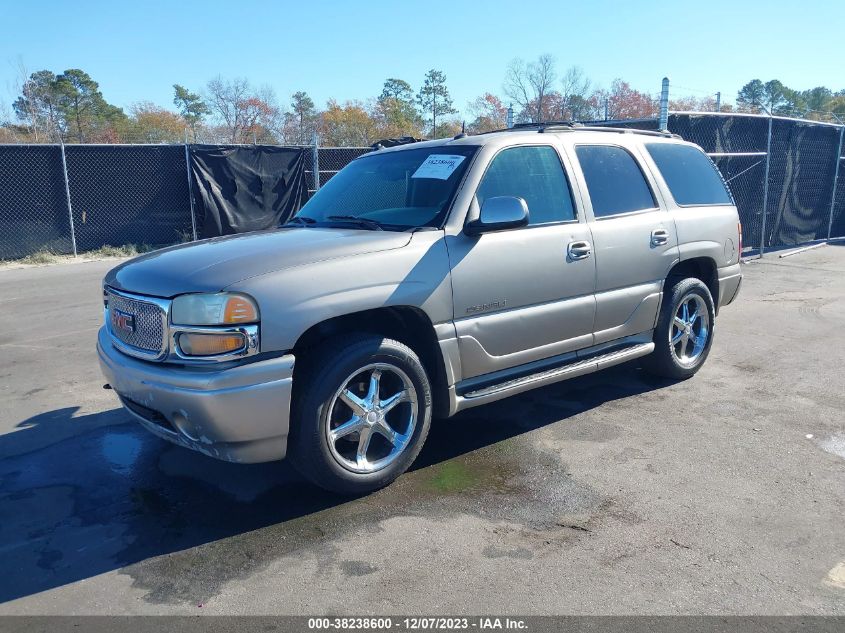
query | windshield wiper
(354,219)
(301,220)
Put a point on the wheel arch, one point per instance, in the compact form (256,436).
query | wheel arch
(407,324)
(702,268)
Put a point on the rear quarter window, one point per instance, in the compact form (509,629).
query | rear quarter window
(691,176)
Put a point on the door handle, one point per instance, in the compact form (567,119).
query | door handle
(659,237)
(579,250)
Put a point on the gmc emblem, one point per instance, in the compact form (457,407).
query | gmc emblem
(123,321)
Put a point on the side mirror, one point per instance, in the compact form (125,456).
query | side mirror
(498,214)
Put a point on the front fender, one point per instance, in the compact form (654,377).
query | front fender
(293,300)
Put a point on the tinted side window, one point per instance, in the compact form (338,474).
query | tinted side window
(614,180)
(690,174)
(534,174)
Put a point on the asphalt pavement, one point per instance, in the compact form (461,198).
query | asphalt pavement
(614,493)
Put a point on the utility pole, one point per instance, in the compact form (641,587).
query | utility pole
(718,102)
(510,116)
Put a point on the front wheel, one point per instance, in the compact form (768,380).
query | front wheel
(684,331)
(363,413)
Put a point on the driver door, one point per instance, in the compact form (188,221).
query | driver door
(524,294)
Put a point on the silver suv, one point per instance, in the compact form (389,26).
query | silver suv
(422,280)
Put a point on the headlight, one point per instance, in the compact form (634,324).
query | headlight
(222,308)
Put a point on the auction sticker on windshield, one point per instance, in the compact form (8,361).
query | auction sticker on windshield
(438,166)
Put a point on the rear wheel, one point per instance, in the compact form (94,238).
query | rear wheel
(684,331)
(363,413)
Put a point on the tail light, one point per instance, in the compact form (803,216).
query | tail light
(739,231)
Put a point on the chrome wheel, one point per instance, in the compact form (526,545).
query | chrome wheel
(367,430)
(690,330)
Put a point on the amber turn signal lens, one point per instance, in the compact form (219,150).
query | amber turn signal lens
(210,344)
(239,310)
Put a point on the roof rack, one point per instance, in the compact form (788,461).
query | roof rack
(574,126)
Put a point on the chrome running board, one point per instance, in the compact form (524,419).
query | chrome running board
(578,367)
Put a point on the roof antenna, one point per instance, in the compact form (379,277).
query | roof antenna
(463,127)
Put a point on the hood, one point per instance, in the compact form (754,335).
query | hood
(212,265)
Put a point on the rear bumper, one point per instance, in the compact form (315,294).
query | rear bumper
(730,280)
(238,414)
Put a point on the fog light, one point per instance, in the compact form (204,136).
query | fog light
(194,344)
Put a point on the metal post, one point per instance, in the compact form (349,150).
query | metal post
(316,162)
(190,192)
(664,105)
(835,182)
(718,102)
(510,116)
(69,207)
(766,188)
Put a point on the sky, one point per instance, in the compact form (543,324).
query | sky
(345,50)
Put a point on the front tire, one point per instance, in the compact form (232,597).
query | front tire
(684,332)
(362,414)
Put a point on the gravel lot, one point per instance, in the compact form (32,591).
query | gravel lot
(613,493)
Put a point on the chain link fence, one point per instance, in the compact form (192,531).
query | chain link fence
(128,194)
(34,212)
(76,198)
(785,175)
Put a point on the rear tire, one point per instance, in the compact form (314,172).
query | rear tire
(361,415)
(684,332)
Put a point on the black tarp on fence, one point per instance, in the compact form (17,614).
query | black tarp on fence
(246,188)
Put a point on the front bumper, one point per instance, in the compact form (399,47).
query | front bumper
(238,414)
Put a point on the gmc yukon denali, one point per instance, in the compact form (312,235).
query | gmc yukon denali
(422,280)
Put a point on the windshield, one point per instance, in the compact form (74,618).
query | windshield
(394,190)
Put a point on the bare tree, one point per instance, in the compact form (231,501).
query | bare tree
(225,97)
(246,115)
(574,93)
(530,84)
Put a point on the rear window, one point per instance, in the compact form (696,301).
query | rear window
(690,175)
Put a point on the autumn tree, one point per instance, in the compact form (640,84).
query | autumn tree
(191,107)
(154,124)
(346,125)
(622,102)
(529,85)
(434,98)
(489,113)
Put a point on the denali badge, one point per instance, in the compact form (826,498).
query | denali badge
(123,321)
(496,304)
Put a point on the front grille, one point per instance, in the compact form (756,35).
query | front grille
(148,320)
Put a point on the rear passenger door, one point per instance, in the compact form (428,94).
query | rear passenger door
(634,239)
